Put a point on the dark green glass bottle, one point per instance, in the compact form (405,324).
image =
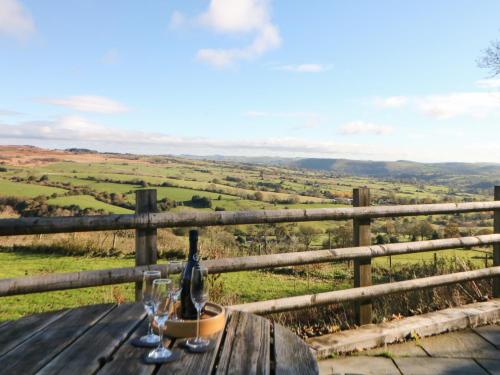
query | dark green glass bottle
(188,311)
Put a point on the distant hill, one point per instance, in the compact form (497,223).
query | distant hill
(472,177)
(397,169)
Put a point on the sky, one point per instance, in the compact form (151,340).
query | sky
(357,79)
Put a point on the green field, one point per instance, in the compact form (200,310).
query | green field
(243,286)
(240,286)
(231,186)
(87,201)
(18,189)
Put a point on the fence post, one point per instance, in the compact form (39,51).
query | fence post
(145,239)
(362,266)
(496,247)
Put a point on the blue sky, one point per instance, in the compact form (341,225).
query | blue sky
(382,80)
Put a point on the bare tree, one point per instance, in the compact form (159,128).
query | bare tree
(491,58)
(307,234)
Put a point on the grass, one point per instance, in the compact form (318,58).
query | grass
(19,189)
(190,178)
(260,285)
(183,194)
(242,286)
(87,201)
(477,257)
(17,265)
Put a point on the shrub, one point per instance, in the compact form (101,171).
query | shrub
(201,202)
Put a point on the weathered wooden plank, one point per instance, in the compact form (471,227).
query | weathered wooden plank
(94,348)
(362,266)
(291,354)
(128,359)
(36,225)
(60,281)
(40,348)
(246,347)
(145,239)
(363,293)
(15,332)
(189,363)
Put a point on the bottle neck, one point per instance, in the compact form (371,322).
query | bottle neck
(193,257)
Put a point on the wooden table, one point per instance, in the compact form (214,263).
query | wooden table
(96,339)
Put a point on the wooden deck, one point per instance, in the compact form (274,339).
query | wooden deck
(470,351)
(98,339)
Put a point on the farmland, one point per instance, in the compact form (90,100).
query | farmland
(37,182)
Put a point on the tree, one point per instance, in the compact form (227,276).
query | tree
(491,58)
(342,236)
(330,232)
(259,196)
(389,227)
(451,230)
(380,239)
(422,228)
(307,233)
(201,202)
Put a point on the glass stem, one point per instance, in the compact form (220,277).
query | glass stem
(198,325)
(150,327)
(174,312)
(160,344)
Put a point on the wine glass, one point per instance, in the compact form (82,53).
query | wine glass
(162,305)
(149,340)
(176,278)
(199,296)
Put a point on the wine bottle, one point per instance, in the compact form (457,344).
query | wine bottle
(188,311)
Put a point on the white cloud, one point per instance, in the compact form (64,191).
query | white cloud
(235,17)
(391,102)
(475,104)
(304,68)
(89,103)
(177,20)
(111,57)
(491,83)
(76,130)
(15,20)
(7,112)
(361,127)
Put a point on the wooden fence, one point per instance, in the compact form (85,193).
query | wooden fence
(147,220)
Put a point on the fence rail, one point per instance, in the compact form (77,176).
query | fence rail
(364,293)
(152,220)
(147,220)
(84,279)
